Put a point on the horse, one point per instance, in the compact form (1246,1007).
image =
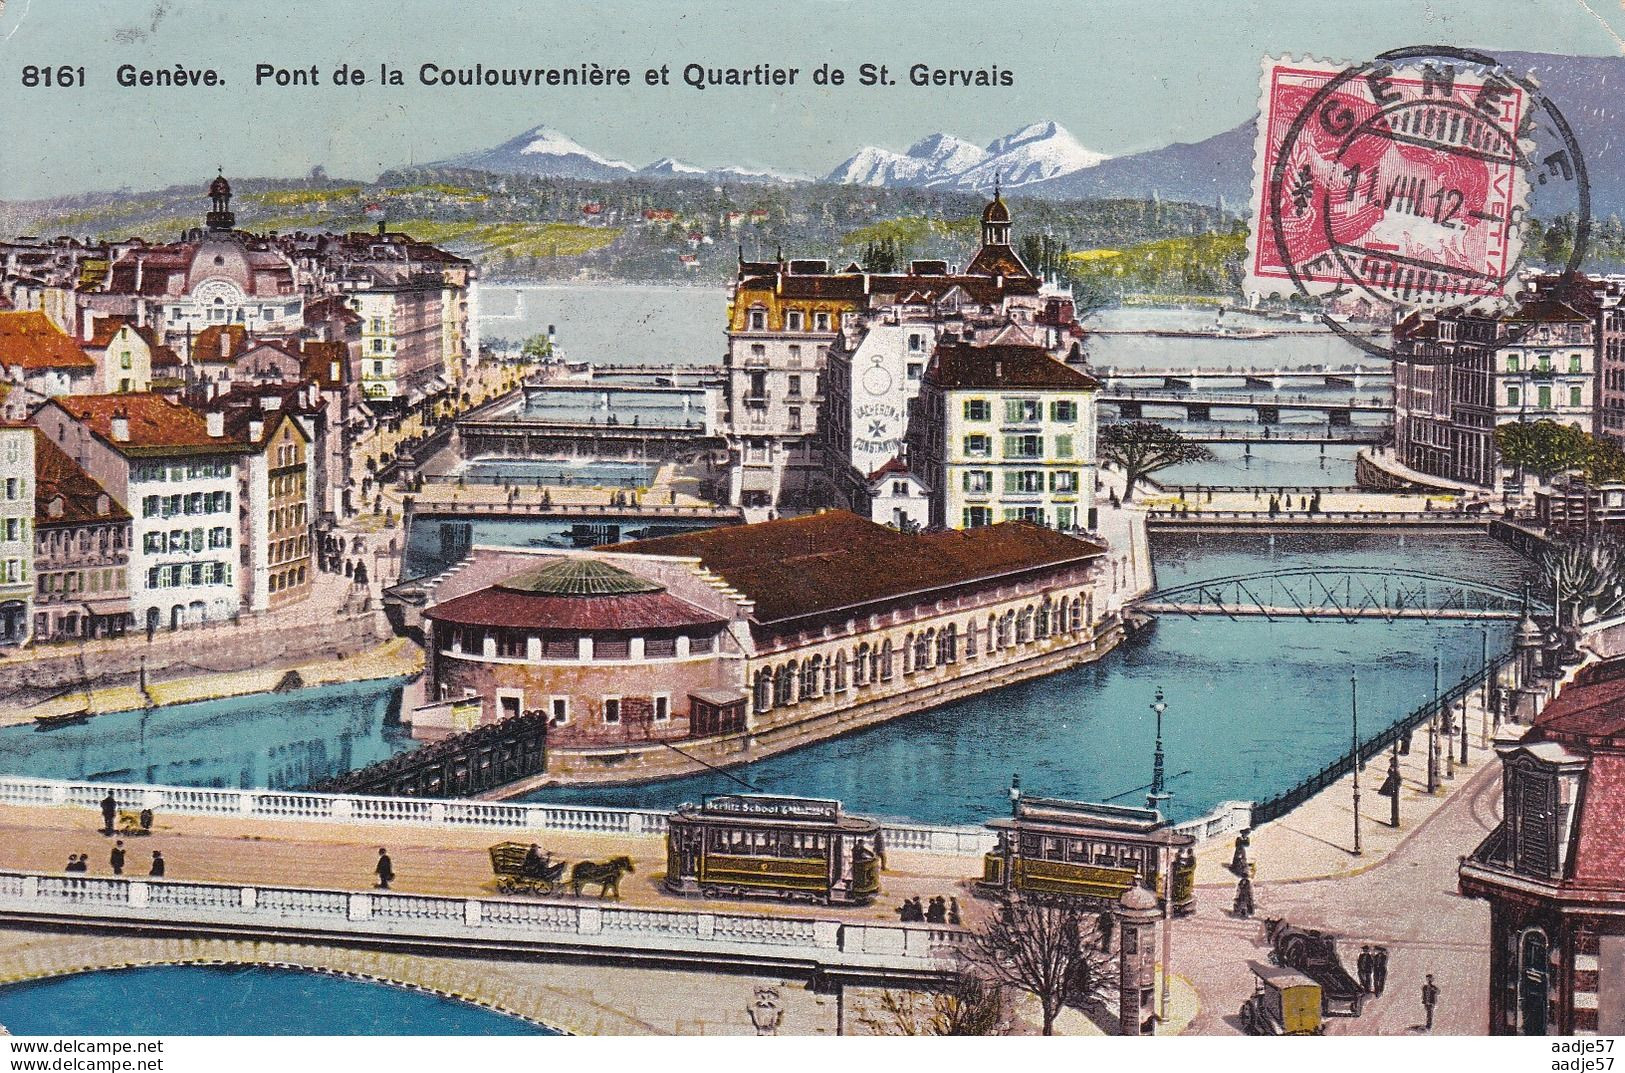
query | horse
(607,875)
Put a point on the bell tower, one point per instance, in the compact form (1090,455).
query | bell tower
(996,220)
(220,217)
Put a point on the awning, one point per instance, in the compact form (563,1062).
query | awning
(718,697)
(436,386)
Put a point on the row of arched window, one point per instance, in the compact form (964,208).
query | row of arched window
(818,676)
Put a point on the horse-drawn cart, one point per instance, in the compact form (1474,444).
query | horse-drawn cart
(519,869)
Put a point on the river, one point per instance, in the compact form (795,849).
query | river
(1254,706)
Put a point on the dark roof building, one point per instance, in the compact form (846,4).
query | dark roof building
(576,595)
(836,562)
(1553,871)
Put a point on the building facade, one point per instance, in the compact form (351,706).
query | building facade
(1459,375)
(17,483)
(178,471)
(1005,433)
(81,551)
(743,641)
(1553,871)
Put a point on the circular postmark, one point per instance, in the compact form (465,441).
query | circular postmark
(1404,179)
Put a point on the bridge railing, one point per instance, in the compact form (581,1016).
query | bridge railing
(419,812)
(606,929)
(1165,514)
(1501,674)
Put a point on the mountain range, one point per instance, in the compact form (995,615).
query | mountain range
(1043,159)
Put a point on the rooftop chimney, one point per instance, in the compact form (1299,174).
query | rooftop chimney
(88,319)
(256,429)
(121,427)
(215,423)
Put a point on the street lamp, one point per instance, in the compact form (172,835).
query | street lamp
(1354,716)
(1158,795)
(1433,731)
(1156,799)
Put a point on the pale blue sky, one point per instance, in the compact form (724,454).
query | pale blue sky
(1122,76)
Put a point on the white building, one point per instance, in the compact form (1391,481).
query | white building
(1003,433)
(16,532)
(177,470)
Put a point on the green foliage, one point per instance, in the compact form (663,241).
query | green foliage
(1545,448)
(1588,577)
(1201,264)
(1140,448)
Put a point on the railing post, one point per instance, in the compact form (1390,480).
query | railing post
(360,907)
(137,893)
(343,808)
(634,823)
(590,921)
(250,898)
(30,887)
(706,925)
(473,913)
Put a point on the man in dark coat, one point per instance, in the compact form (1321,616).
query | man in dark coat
(1243,906)
(1367,966)
(116,858)
(157,864)
(1430,999)
(109,810)
(1379,969)
(385,869)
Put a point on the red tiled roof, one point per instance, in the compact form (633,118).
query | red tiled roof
(629,613)
(1548,311)
(1590,711)
(156,425)
(820,563)
(219,343)
(1599,858)
(963,365)
(996,261)
(29,339)
(55,474)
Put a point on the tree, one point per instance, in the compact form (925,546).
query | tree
(967,1005)
(1048,948)
(1588,579)
(1140,448)
(537,348)
(1545,447)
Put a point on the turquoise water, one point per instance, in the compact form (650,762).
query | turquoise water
(197,1000)
(528,471)
(1254,707)
(277,741)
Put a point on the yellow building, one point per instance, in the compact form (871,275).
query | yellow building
(1005,433)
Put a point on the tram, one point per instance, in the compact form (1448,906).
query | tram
(752,845)
(1089,852)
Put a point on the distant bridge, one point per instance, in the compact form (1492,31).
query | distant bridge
(1352,376)
(1268,407)
(1338,594)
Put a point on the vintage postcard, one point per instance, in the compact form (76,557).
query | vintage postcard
(820,519)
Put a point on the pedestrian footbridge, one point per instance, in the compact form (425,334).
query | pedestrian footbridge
(1338,594)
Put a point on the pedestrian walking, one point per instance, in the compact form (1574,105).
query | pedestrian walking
(385,869)
(73,863)
(1243,906)
(938,911)
(157,864)
(1367,969)
(1379,969)
(1238,858)
(1430,999)
(953,911)
(116,858)
(109,810)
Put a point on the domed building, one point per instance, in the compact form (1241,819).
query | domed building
(610,656)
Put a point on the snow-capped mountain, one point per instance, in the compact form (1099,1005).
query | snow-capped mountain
(671,168)
(544,151)
(1035,153)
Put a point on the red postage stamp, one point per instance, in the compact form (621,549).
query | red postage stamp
(1407,183)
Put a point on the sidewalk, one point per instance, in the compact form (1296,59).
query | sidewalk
(1316,839)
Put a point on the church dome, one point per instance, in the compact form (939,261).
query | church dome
(996,212)
(219,187)
(579,577)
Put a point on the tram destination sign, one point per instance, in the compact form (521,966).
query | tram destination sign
(773,808)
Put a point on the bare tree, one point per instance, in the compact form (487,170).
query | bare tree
(1048,948)
(967,1005)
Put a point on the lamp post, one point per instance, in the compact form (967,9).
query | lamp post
(1484,669)
(1393,777)
(1433,731)
(1354,717)
(1156,799)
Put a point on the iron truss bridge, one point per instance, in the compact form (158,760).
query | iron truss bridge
(1337,594)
